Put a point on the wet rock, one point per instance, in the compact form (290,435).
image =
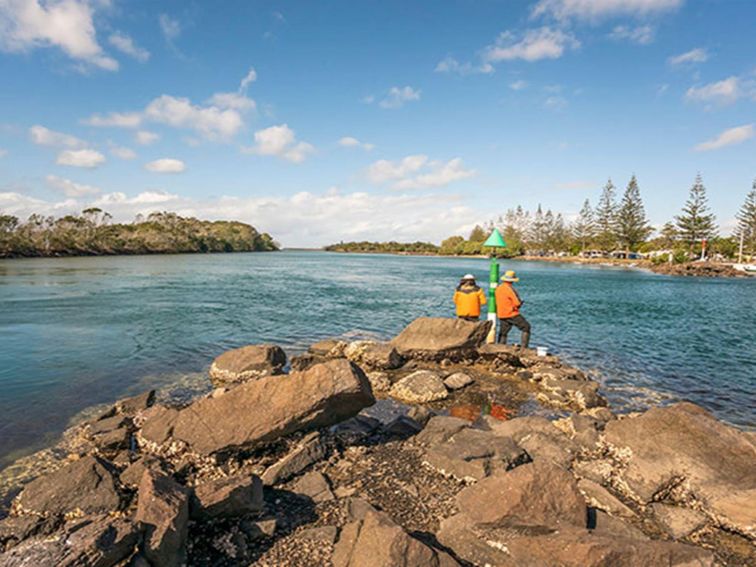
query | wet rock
(100,541)
(325,394)
(87,484)
(439,338)
(356,428)
(309,450)
(376,541)
(599,497)
(472,454)
(372,355)
(439,429)
(683,443)
(403,426)
(580,394)
(457,381)
(419,387)
(132,474)
(163,510)
(247,363)
(420,414)
(315,486)
(329,348)
(227,497)
(534,494)
(108,424)
(676,521)
(379,381)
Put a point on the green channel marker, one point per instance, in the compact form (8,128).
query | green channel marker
(493,242)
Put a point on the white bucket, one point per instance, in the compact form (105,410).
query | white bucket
(542,350)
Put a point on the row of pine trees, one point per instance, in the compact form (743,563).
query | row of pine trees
(616,223)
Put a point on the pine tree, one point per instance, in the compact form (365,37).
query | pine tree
(606,215)
(696,223)
(747,221)
(584,227)
(632,225)
(537,232)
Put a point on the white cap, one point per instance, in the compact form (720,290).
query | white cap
(468,277)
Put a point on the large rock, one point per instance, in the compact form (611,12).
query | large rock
(570,547)
(309,450)
(472,454)
(87,484)
(263,410)
(376,541)
(419,387)
(247,363)
(227,497)
(371,355)
(534,494)
(685,445)
(163,510)
(440,428)
(99,541)
(438,338)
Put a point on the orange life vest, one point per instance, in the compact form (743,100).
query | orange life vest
(507,301)
(468,300)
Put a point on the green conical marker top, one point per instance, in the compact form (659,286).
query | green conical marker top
(495,240)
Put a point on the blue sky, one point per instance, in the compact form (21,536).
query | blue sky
(322,121)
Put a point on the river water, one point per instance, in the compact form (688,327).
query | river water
(76,332)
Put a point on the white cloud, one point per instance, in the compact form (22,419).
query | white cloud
(642,35)
(122,152)
(451,65)
(65,24)
(726,91)
(170,27)
(534,45)
(235,101)
(211,122)
(123,43)
(518,85)
(556,102)
(80,158)
(397,96)
(302,219)
(417,172)
(145,137)
(45,137)
(115,119)
(248,79)
(697,55)
(599,9)
(280,141)
(350,142)
(729,137)
(166,165)
(70,188)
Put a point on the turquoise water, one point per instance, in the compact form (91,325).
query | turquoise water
(81,331)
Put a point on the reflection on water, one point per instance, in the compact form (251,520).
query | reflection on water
(473,412)
(77,332)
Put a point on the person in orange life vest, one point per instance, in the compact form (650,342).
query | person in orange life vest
(508,305)
(468,298)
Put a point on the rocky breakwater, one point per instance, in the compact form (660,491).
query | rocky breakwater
(301,468)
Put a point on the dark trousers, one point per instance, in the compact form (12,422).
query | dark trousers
(506,324)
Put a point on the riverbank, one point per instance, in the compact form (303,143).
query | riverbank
(428,447)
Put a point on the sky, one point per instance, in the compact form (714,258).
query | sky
(348,120)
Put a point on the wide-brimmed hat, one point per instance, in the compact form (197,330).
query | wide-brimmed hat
(510,276)
(468,277)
